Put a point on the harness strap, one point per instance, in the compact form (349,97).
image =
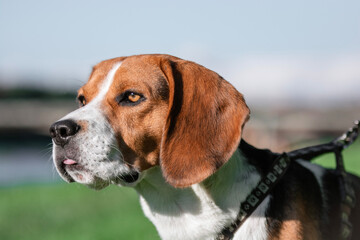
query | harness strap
(256,197)
(278,170)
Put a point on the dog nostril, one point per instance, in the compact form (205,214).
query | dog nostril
(52,132)
(63,132)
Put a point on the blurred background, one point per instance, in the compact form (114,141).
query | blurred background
(297,64)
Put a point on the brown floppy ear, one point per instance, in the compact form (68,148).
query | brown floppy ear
(204,123)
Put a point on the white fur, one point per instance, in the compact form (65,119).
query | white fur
(254,228)
(96,147)
(202,210)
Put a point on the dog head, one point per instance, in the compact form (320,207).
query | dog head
(141,111)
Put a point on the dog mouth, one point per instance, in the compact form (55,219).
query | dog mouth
(68,166)
(73,171)
(61,167)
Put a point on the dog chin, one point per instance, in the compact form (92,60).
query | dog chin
(88,180)
(125,179)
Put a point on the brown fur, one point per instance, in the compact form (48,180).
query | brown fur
(300,223)
(191,119)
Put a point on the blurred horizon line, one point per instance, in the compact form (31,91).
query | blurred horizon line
(275,78)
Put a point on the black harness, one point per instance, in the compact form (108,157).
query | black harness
(279,168)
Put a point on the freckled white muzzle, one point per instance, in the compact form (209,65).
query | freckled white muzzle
(90,155)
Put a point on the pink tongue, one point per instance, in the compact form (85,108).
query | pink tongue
(69,162)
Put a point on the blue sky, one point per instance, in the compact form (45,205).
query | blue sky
(282,46)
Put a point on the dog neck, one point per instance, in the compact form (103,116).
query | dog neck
(202,210)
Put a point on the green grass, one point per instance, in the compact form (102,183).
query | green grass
(71,211)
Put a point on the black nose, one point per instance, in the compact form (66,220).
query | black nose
(63,130)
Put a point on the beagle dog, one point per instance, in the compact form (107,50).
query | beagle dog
(171,129)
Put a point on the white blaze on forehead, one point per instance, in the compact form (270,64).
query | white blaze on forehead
(105,86)
(92,110)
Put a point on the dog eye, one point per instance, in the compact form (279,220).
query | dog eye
(130,98)
(133,97)
(82,100)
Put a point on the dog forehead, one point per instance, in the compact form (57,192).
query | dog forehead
(135,71)
(97,78)
(138,72)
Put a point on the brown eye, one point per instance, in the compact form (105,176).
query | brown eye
(130,98)
(133,97)
(82,100)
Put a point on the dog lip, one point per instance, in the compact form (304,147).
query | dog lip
(64,174)
(68,178)
(74,167)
